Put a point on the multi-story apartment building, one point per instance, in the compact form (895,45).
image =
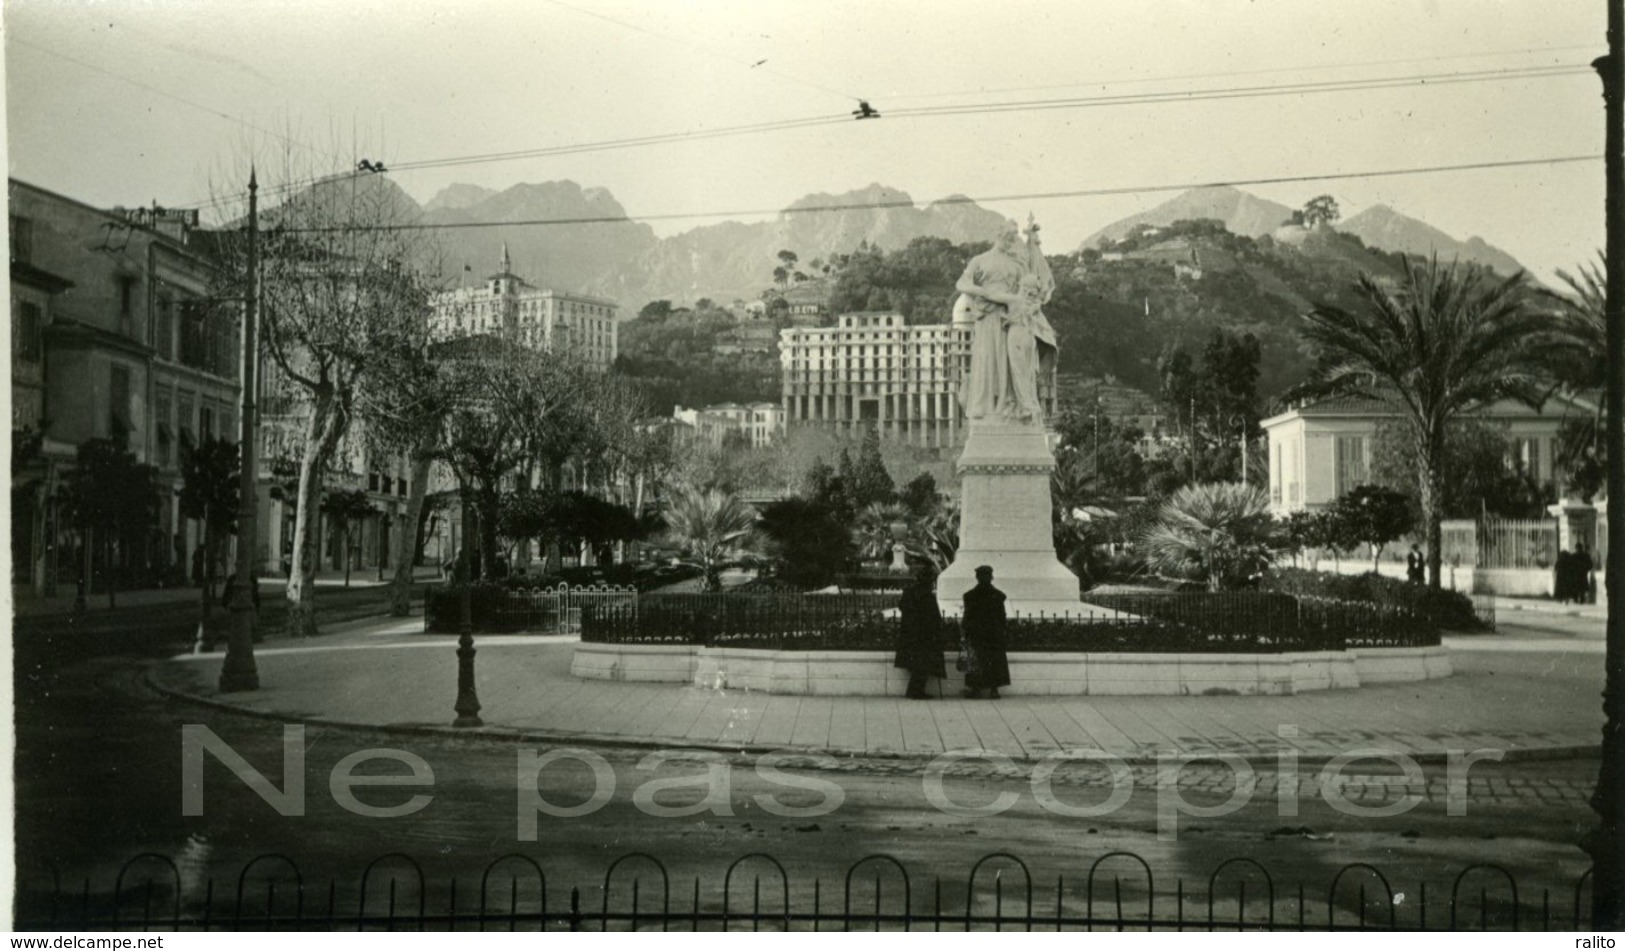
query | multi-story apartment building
(756,424)
(507,305)
(115,335)
(874,369)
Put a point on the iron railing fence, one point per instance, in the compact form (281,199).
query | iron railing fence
(1116,891)
(775,621)
(497,609)
(1517,543)
(1215,622)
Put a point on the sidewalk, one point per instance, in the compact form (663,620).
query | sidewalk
(1526,696)
(1548,606)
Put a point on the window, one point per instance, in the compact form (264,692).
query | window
(118,402)
(184,421)
(1526,456)
(26,330)
(206,422)
(163,436)
(1275,483)
(22,240)
(194,345)
(1351,464)
(163,327)
(126,297)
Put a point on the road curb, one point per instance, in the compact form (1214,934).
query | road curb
(616,741)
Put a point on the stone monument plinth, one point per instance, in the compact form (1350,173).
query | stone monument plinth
(1004,521)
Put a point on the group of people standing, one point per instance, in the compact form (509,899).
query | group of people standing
(982,655)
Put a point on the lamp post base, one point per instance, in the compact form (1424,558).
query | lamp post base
(239,673)
(468,699)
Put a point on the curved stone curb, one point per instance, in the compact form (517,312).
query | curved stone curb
(616,741)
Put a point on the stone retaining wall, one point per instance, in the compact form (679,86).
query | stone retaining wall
(871,674)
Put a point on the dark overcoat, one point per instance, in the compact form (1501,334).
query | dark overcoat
(983,625)
(919,636)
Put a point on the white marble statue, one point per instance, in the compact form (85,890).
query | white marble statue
(1003,293)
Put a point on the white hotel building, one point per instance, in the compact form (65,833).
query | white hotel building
(874,369)
(505,304)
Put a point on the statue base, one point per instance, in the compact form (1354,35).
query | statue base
(1004,522)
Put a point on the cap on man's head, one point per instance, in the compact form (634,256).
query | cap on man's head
(984,572)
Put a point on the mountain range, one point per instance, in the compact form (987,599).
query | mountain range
(1243,213)
(603,252)
(589,245)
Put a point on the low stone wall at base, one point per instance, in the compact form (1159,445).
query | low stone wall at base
(871,674)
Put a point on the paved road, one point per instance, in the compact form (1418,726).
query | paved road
(100,780)
(1529,689)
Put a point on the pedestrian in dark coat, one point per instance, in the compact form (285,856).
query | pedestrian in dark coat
(1581,561)
(1416,566)
(1563,578)
(919,635)
(986,666)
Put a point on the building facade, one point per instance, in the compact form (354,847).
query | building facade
(752,424)
(505,304)
(115,335)
(876,370)
(1319,451)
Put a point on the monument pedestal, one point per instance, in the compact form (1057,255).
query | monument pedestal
(1004,522)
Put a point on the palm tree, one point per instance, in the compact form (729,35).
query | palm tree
(1582,352)
(873,531)
(935,536)
(1220,531)
(709,525)
(1433,344)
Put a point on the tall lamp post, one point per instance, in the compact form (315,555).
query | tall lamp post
(238,672)
(468,698)
(1607,843)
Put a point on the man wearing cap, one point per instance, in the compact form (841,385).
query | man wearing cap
(986,666)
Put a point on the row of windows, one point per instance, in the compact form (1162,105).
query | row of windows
(213,419)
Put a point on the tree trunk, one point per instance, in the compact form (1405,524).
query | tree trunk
(112,575)
(344,547)
(204,594)
(322,434)
(1430,452)
(406,541)
(487,502)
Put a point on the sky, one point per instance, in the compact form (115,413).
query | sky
(126,102)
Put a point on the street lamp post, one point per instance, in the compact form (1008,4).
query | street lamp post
(238,672)
(1606,843)
(468,698)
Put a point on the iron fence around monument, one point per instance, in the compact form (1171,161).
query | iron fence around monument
(1193,622)
(1111,891)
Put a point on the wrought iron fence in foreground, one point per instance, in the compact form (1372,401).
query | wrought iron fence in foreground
(1116,891)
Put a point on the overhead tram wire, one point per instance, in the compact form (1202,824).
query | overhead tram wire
(1153,98)
(661,139)
(961,199)
(692,135)
(202,107)
(1245,92)
(1276,70)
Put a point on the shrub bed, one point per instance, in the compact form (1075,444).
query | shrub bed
(1447,609)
